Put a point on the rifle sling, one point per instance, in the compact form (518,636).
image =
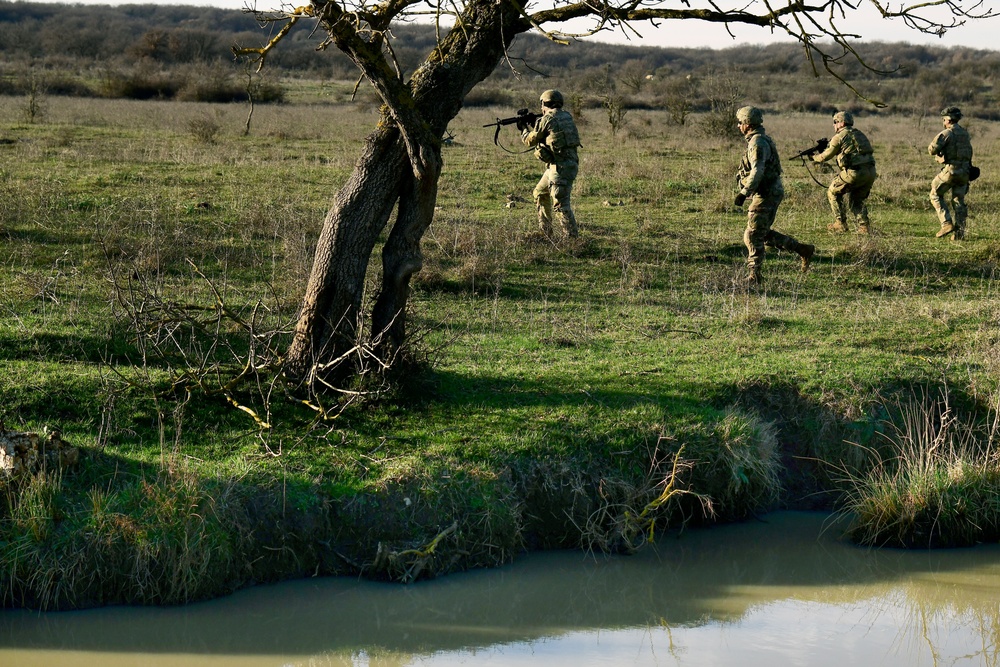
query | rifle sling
(811,175)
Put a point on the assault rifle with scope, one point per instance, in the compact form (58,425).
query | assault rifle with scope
(523,119)
(820,146)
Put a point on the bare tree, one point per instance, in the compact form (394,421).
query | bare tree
(634,74)
(616,107)
(252,87)
(678,99)
(724,92)
(400,162)
(33,84)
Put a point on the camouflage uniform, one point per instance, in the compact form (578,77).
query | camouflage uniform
(555,140)
(953,148)
(759,179)
(857,174)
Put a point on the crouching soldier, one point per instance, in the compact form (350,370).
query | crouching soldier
(857,174)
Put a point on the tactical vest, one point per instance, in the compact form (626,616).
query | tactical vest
(855,150)
(957,146)
(563,134)
(772,166)
(772,172)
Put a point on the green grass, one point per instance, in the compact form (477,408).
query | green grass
(559,384)
(935,481)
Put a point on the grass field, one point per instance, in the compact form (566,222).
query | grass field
(587,395)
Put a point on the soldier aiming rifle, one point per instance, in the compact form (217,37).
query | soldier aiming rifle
(555,140)
(849,190)
(553,136)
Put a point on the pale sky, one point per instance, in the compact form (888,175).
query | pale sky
(980,34)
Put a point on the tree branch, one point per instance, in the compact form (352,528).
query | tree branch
(804,22)
(291,18)
(364,46)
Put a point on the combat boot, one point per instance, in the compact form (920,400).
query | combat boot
(806,252)
(839,227)
(864,229)
(959,234)
(946,228)
(754,280)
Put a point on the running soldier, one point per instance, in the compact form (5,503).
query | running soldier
(952,148)
(759,178)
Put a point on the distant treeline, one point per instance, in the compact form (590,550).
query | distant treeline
(184,52)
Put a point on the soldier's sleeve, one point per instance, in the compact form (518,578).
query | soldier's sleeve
(534,136)
(937,146)
(833,148)
(757,154)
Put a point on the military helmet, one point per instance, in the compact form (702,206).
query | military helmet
(750,115)
(954,113)
(844,117)
(552,99)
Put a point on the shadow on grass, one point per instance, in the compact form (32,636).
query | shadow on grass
(118,519)
(38,236)
(47,347)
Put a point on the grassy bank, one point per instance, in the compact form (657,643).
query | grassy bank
(587,395)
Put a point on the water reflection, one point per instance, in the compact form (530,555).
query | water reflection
(776,592)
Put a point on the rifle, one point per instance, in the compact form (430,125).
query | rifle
(523,119)
(820,146)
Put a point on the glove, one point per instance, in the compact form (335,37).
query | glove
(740,198)
(522,125)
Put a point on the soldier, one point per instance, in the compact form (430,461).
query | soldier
(953,148)
(857,174)
(555,140)
(760,180)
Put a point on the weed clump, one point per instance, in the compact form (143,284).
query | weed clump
(140,541)
(934,482)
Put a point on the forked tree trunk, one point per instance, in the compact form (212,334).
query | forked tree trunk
(401,257)
(331,323)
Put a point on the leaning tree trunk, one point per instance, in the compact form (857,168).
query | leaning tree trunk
(331,323)
(401,257)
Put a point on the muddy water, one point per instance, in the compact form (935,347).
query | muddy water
(782,591)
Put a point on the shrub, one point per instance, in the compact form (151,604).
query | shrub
(138,84)
(204,128)
(485,95)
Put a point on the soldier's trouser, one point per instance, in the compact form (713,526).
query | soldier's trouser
(955,182)
(849,192)
(552,197)
(759,233)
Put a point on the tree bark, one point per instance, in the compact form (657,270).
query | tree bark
(401,258)
(330,323)
(401,163)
